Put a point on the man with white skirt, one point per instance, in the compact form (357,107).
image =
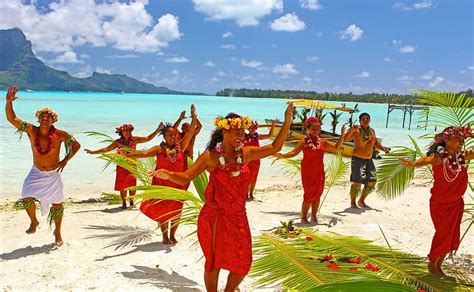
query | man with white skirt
(43,183)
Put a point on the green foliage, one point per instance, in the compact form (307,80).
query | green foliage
(366,286)
(200,182)
(287,230)
(335,172)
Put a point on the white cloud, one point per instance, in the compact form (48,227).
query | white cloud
(251,64)
(424,4)
(127,56)
(175,72)
(66,57)
(68,24)
(353,33)
(321,70)
(311,4)
(307,79)
(436,81)
(288,22)
(227,34)
(405,79)
(388,60)
(407,49)
(243,12)
(210,64)
(103,70)
(214,79)
(428,75)
(363,74)
(471,67)
(221,73)
(228,47)
(177,60)
(285,69)
(312,58)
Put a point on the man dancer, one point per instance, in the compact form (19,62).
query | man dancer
(362,166)
(43,182)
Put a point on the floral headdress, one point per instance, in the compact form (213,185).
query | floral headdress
(237,122)
(124,127)
(49,111)
(453,132)
(312,119)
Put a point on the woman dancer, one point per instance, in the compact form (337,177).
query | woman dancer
(253,139)
(169,155)
(312,166)
(124,178)
(223,228)
(448,160)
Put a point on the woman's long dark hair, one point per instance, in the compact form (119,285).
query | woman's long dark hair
(434,146)
(217,135)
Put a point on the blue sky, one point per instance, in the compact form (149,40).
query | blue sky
(206,45)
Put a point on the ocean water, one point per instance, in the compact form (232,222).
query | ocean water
(80,112)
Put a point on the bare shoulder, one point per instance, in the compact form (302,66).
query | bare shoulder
(63,135)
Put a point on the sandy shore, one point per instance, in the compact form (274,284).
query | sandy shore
(91,257)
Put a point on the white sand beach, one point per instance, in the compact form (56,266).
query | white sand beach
(88,261)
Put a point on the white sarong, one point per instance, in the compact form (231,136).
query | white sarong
(45,186)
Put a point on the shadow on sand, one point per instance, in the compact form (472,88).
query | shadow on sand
(161,279)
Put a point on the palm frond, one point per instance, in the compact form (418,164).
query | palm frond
(335,171)
(107,138)
(290,167)
(366,286)
(200,182)
(123,235)
(299,263)
(140,168)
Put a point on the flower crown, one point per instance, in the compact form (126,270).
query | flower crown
(124,127)
(453,132)
(240,122)
(49,111)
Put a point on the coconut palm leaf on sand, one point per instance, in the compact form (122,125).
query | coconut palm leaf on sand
(316,259)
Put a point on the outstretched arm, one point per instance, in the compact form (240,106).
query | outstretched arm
(149,137)
(379,145)
(10,113)
(144,153)
(182,116)
(270,133)
(109,148)
(336,147)
(74,147)
(189,135)
(183,178)
(423,161)
(256,153)
(351,134)
(469,154)
(295,151)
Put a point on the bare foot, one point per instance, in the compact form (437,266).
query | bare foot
(57,238)
(314,220)
(304,221)
(32,228)
(432,269)
(354,206)
(124,206)
(250,198)
(173,240)
(167,241)
(132,205)
(363,205)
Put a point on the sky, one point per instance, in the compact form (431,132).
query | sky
(358,46)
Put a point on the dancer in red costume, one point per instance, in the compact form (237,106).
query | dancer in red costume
(124,178)
(169,156)
(312,166)
(448,160)
(253,139)
(223,228)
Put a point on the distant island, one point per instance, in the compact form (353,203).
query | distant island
(344,97)
(20,67)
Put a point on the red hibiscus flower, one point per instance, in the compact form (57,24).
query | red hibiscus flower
(309,238)
(334,266)
(354,268)
(371,267)
(328,257)
(354,261)
(421,290)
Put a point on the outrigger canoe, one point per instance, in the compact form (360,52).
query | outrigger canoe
(296,130)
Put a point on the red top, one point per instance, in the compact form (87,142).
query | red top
(312,173)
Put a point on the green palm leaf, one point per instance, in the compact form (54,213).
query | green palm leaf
(200,182)
(295,263)
(366,286)
(107,138)
(335,173)
(290,167)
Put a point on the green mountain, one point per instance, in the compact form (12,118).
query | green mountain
(20,67)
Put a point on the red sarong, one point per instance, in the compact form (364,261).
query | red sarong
(224,218)
(312,173)
(446,208)
(124,178)
(254,165)
(163,210)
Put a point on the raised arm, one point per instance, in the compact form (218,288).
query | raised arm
(423,161)
(201,164)
(255,153)
(295,151)
(109,148)
(270,133)
(149,137)
(182,116)
(198,128)
(10,113)
(349,136)
(72,145)
(184,143)
(153,151)
(469,155)
(336,147)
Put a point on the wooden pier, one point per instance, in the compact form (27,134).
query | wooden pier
(407,108)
